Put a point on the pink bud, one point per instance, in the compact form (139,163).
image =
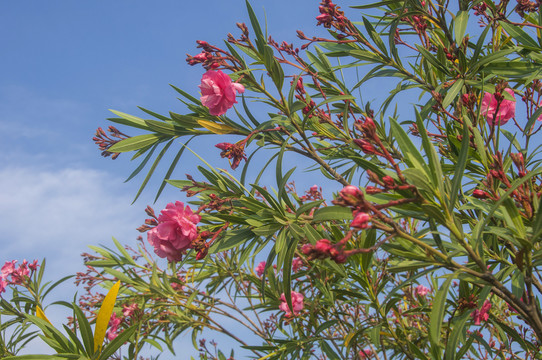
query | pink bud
(361,220)
(323,246)
(480,194)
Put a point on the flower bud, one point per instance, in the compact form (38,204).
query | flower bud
(480,194)
(361,220)
(323,246)
(351,194)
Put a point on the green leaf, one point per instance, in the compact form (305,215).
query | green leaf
(332,213)
(460,26)
(521,36)
(151,170)
(452,93)
(129,120)
(260,38)
(375,36)
(135,143)
(432,60)
(461,163)
(532,120)
(437,314)
(85,329)
(412,156)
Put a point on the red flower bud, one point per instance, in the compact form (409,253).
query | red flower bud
(480,194)
(388,181)
(361,220)
(323,246)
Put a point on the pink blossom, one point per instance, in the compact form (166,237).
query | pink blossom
(482,314)
(361,220)
(113,330)
(507,108)
(34,265)
(365,353)
(175,231)
(422,290)
(128,310)
(7,269)
(3,285)
(260,269)
(297,304)
(297,263)
(218,92)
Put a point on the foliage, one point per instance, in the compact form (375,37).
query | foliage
(435,256)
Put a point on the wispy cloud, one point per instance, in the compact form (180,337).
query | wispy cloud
(57,213)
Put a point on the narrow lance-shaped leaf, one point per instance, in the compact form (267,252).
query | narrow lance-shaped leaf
(104,315)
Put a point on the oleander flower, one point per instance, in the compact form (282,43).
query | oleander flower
(3,285)
(506,111)
(113,330)
(422,290)
(481,315)
(297,304)
(365,353)
(260,268)
(218,92)
(175,231)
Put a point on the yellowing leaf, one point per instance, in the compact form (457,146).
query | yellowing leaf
(104,315)
(41,314)
(216,128)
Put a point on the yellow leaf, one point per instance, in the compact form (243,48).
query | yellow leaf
(41,314)
(104,315)
(216,128)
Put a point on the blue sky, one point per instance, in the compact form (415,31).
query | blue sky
(64,63)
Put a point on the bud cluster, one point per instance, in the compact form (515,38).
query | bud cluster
(105,142)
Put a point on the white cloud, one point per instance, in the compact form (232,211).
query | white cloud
(56,213)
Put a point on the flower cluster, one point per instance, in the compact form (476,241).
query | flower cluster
(13,275)
(481,314)
(175,231)
(297,304)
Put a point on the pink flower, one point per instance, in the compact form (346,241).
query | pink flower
(113,330)
(365,353)
(297,263)
(422,290)
(218,92)
(7,269)
(128,310)
(361,220)
(260,269)
(297,304)
(3,285)
(482,314)
(507,108)
(175,231)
